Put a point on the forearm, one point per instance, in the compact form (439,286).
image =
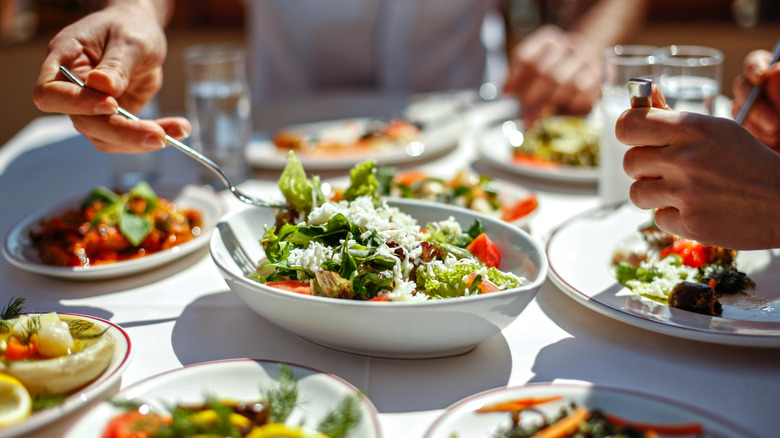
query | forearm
(611,22)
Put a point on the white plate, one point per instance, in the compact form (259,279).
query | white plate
(237,379)
(20,252)
(493,146)
(438,136)
(579,252)
(98,389)
(460,420)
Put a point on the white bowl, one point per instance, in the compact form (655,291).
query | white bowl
(432,328)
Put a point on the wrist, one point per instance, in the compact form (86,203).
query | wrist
(160,10)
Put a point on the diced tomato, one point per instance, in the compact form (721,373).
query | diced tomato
(485,286)
(134,425)
(692,253)
(297,286)
(521,208)
(686,429)
(485,251)
(379,298)
(16,351)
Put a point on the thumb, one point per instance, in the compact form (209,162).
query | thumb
(659,100)
(113,72)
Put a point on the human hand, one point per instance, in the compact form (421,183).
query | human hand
(551,71)
(709,178)
(118,52)
(763,119)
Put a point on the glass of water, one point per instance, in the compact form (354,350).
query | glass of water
(219,108)
(690,77)
(619,64)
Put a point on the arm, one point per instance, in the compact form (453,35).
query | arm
(709,179)
(552,70)
(763,119)
(118,52)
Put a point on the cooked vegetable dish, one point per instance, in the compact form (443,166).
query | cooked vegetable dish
(263,418)
(564,140)
(109,227)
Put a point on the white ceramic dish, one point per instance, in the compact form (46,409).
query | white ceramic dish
(237,379)
(437,112)
(493,146)
(99,388)
(580,250)
(20,252)
(461,421)
(400,329)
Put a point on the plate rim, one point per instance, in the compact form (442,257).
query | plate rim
(642,321)
(156,379)
(98,389)
(12,242)
(586,387)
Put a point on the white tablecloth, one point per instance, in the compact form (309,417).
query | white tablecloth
(184,313)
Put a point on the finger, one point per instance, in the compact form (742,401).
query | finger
(119,134)
(644,162)
(755,65)
(121,59)
(177,127)
(649,194)
(55,93)
(669,219)
(648,126)
(658,98)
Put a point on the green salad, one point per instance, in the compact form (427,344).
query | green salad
(360,248)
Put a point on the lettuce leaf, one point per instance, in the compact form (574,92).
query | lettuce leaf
(302,193)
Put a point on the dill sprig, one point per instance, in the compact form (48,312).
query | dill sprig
(339,422)
(13,309)
(283,399)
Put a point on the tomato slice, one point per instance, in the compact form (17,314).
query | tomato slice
(692,253)
(297,286)
(134,424)
(485,251)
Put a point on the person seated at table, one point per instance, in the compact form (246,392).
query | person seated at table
(709,178)
(419,46)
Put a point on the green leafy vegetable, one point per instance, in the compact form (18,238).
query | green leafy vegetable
(363,182)
(13,309)
(136,228)
(47,400)
(448,283)
(300,192)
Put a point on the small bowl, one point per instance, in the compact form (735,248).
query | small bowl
(433,328)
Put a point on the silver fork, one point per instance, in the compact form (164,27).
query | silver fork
(237,252)
(194,154)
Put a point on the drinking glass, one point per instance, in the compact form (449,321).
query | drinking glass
(619,64)
(690,77)
(218,106)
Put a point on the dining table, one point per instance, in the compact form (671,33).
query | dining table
(183,313)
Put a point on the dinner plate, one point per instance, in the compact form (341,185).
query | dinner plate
(580,250)
(99,388)
(235,379)
(441,128)
(493,146)
(20,251)
(461,421)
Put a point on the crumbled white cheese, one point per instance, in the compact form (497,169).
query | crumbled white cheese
(311,258)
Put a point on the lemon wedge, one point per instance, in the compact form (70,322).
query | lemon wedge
(280,430)
(15,401)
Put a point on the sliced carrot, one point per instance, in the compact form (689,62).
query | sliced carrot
(485,286)
(566,426)
(297,286)
(664,429)
(16,351)
(410,177)
(517,405)
(519,209)
(532,161)
(380,298)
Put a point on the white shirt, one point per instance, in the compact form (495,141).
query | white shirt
(300,47)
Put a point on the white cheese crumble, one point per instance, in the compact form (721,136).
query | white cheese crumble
(662,286)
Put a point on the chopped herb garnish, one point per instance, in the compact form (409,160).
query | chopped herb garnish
(282,400)
(339,422)
(13,309)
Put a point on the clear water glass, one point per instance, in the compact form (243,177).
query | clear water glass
(219,108)
(690,77)
(619,64)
